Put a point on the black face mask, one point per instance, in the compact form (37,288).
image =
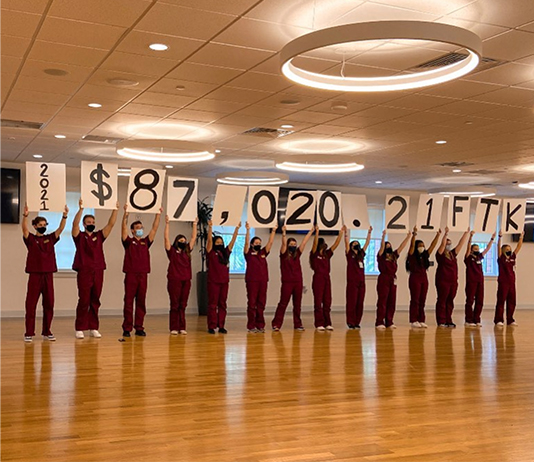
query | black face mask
(292,249)
(389,250)
(509,253)
(356,248)
(219,247)
(256,248)
(90,228)
(476,253)
(181,245)
(41,229)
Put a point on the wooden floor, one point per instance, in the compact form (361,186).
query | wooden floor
(404,395)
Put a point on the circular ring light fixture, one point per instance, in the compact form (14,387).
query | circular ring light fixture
(527,185)
(170,151)
(252,178)
(381,30)
(319,164)
(474,191)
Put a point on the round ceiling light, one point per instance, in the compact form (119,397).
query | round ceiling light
(319,164)
(474,191)
(158,47)
(252,178)
(322,146)
(381,30)
(169,151)
(527,185)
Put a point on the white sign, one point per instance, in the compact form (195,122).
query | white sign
(182,198)
(355,213)
(145,190)
(429,212)
(487,215)
(263,206)
(300,211)
(459,215)
(99,185)
(46,187)
(397,213)
(329,210)
(513,216)
(228,206)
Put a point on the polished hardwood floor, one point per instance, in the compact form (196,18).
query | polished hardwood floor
(403,395)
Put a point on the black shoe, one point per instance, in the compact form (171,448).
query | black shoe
(126,333)
(350,326)
(211,331)
(357,326)
(222,330)
(140,333)
(451,325)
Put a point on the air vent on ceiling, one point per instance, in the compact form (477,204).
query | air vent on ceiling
(455,164)
(22,124)
(454,57)
(267,132)
(101,139)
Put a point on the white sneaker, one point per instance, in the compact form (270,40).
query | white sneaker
(183,332)
(94,333)
(79,334)
(331,328)
(442,325)
(514,324)
(393,326)
(174,332)
(423,325)
(479,324)
(252,331)
(416,324)
(470,324)
(381,327)
(50,338)
(499,324)
(28,339)
(320,329)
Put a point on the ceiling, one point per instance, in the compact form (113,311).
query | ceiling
(223,57)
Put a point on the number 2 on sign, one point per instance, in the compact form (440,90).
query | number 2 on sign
(44,182)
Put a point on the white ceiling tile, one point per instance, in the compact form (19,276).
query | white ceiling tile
(240,95)
(29,96)
(374,12)
(484,31)
(202,73)
(234,7)
(197,116)
(506,74)
(67,54)
(10,64)
(162,99)
(215,54)
(460,89)
(424,6)
(138,64)
(511,96)
(185,88)
(98,93)
(19,24)
(261,81)
(147,110)
(509,46)
(28,6)
(35,68)
(14,46)
(516,12)
(101,77)
(213,105)
(57,85)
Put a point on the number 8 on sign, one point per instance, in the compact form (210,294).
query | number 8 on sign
(145,189)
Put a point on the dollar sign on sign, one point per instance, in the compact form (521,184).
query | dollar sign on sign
(104,189)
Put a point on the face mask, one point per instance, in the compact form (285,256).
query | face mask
(219,247)
(90,228)
(508,253)
(139,232)
(389,250)
(257,248)
(448,247)
(292,249)
(356,248)
(476,253)
(181,245)
(420,249)
(41,229)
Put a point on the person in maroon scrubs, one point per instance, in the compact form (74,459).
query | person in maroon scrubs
(506,293)
(256,279)
(40,266)
(386,285)
(136,267)
(355,291)
(218,259)
(417,264)
(179,276)
(320,257)
(89,263)
(474,281)
(292,283)
(447,278)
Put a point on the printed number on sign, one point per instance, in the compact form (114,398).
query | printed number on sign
(295,219)
(44,183)
(329,223)
(104,191)
(145,186)
(256,209)
(189,186)
(403,207)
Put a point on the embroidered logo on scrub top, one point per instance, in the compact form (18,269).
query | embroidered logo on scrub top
(47,241)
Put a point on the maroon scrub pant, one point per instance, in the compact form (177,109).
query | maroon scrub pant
(445,305)
(135,287)
(39,284)
(505,294)
(217,296)
(90,284)
(256,300)
(179,295)
(386,288)
(322,300)
(288,290)
(474,293)
(418,291)
(355,295)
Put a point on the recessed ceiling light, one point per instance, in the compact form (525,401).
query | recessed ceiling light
(122,82)
(60,136)
(165,150)
(180,87)
(94,105)
(290,102)
(252,178)
(469,122)
(527,185)
(456,170)
(217,151)
(158,47)
(339,106)
(38,156)
(378,182)
(56,72)
(441,142)
(286,126)
(169,166)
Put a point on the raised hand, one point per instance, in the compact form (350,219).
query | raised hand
(26,211)
(66,210)
(446,230)
(167,219)
(80,203)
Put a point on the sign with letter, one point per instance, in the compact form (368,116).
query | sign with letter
(300,212)
(99,185)
(355,213)
(429,212)
(487,215)
(397,213)
(46,187)
(145,190)
(329,210)
(262,206)
(458,218)
(228,206)
(182,198)
(513,216)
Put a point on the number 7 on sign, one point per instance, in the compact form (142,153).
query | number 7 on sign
(182,196)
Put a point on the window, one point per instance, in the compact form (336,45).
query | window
(237,257)
(377,220)
(65,248)
(489,264)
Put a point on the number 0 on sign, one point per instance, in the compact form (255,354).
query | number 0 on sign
(46,187)
(145,190)
(262,206)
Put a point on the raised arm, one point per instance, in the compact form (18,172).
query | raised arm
(469,241)
(462,242)
(209,243)
(305,240)
(155,225)
(488,247)
(194,234)
(315,239)
(166,238)
(434,242)
(24,224)
(368,240)
(404,243)
(76,222)
(338,239)
(62,223)
(412,242)
(499,244)
(106,231)
(124,226)
(443,244)
(247,238)
(269,245)
(347,241)
(234,237)
(382,243)
(283,247)
(520,243)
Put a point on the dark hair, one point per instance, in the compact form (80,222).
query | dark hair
(473,245)
(132,226)
(224,258)
(422,259)
(355,242)
(320,243)
(187,248)
(254,238)
(288,253)
(87,216)
(38,220)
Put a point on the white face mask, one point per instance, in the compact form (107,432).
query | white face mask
(448,247)
(420,249)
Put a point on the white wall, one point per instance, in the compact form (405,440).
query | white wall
(13,278)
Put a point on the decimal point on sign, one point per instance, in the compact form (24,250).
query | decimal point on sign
(357,223)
